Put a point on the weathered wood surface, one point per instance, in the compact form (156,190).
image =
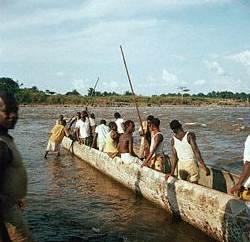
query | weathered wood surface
(218,214)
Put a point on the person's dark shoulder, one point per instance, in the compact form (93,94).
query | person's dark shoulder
(5,153)
(160,136)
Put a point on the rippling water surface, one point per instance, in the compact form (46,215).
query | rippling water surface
(71,201)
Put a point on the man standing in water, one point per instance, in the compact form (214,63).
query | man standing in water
(125,145)
(185,151)
(13,177)
(56,136)
(243,185)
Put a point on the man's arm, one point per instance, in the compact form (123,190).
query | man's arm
(94,140)
(174,159)
(158,140)
(130,146)
(197,153)
(243,177)
(78,135)
(71,122)
(114,135)
(5,158)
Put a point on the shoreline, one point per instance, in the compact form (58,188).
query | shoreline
(245,105)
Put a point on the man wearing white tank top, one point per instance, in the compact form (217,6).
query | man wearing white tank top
(243,185)
(186,152)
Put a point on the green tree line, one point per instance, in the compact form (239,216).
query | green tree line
(33,95)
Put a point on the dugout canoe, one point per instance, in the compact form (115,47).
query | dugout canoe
(206,206)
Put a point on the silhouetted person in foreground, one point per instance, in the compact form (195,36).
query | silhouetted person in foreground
(13,176)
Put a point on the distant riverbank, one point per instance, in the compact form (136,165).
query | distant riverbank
(120,101)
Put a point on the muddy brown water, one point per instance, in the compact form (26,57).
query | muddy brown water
(70,201)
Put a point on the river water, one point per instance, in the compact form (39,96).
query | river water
(70,201)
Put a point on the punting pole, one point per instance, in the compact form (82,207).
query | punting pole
(135,101)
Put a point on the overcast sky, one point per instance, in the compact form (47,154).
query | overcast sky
(62,45)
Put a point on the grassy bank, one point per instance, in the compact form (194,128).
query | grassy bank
(129,101)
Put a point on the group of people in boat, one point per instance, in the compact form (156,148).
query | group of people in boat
(116,139)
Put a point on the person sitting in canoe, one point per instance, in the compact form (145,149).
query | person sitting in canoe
(186,152)
(101,132)
(156,158)
(126,143)
(145,134)
(242,188)
(112,141)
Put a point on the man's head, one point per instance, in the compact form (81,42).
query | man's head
(149,119)
(176,126)
(113,126)
(78,115)
(103,122)
(8,110)
(60,117)
(92,115)
(129,126)
(155,123)
(117,115)
(63,122)
(84,115)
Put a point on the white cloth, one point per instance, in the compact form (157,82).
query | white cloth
(128,158)
(159,150)
(102,131)
(247,159)
(184,150)
(84,128)
(92,122)
(119,123)
(52,146)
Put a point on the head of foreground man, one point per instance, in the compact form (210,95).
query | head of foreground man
(13,177)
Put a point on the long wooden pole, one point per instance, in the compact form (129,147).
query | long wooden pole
(132,90)
(95,85)
(93,91)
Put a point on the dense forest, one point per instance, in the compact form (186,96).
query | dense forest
(33,95)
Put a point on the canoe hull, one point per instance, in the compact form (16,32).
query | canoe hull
(219,215)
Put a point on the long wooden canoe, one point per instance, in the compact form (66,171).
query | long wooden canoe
(206,206)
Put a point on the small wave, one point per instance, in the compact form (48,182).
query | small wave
(196,124)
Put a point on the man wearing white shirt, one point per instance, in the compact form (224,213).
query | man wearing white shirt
(101,132)
(243,185)
(83,129)
(119,122)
